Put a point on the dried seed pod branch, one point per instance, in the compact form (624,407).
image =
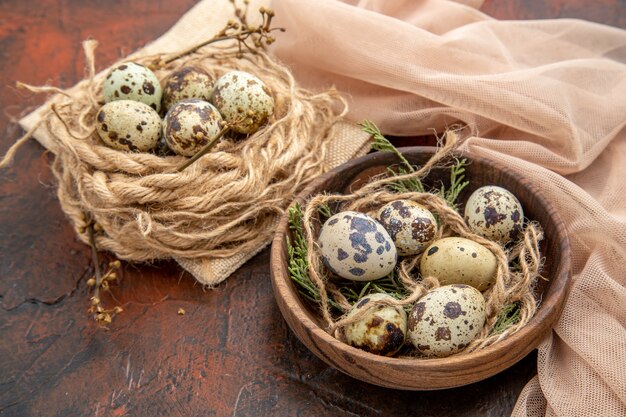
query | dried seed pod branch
(101,281)
(248,37)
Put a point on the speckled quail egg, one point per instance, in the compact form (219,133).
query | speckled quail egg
(381,331)
(130,81)
(411,225)
(128,125)
(355,246)
(495,213)
(446,319)
(185,83)
(456,260)
(189,125)
(244,101)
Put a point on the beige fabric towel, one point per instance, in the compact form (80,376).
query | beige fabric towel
(548,98)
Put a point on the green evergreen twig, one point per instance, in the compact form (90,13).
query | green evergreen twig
(382,144)
(457,183)
(509,316)
(298,264)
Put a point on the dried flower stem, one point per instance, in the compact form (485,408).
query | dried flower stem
(95,261)
(205,149)
(100,281)
(239,30)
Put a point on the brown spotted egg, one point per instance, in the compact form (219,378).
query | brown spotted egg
(381,331)
(244,101)
(189,125)
(185,83)
(128,125)
(495,213)
(130,81)
(446,319)
(355,246)
(456,260)
(411,225)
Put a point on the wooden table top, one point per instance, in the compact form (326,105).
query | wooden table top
(231,353)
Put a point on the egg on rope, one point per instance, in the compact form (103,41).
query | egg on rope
(494,213)
(131,81)
(244,101)
(128,126)
(186,83)
(356,247)
(446,319)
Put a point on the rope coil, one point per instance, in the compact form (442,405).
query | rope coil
(225,204)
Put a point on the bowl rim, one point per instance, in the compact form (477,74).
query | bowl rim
(547,316)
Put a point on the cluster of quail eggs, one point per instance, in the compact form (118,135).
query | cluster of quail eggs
(359,247)
(195,106)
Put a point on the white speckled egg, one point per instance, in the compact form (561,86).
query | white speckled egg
(381,331)
(446,319)
(411,225)
(189,125)
(355,246)
(243,100)
(455,260)
(128,125)
(130,81)
(495,213)
(185,83)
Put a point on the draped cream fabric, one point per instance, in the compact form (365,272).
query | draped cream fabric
(547,98)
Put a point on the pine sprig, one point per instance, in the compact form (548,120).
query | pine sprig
(457,171)
(410,185)
(298,264)
(509,316)
(390,285)
(457,183)
(382,144)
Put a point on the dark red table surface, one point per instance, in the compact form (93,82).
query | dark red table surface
(231,353)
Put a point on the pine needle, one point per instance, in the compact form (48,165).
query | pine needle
(457,183)
(382,144)
(509,316)
(298,264)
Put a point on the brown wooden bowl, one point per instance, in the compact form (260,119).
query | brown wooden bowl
(428,374)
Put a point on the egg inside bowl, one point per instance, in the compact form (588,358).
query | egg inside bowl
(410,373)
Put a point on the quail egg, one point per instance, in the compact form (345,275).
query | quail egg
(355,246)
(185,83)
(381,331)
(456,260)
(130,81)
(495,213)
(446,319)
(128,125)
(411,225)
(244,101)
(189,125)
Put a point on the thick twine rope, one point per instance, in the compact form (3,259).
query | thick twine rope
(510,286)
(225,203)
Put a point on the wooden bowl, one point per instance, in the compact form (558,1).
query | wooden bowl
(428,374)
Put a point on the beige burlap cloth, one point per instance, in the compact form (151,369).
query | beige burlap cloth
(547,98)
(200,24)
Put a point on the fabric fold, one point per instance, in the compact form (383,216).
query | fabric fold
(545,97)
